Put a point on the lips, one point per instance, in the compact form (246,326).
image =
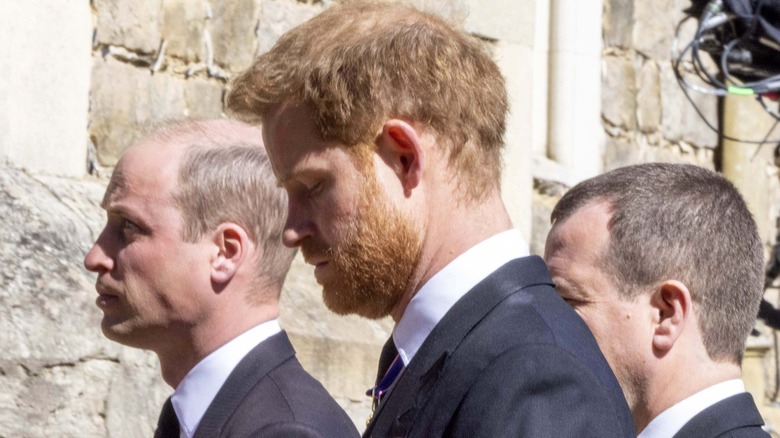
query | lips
(106,297)
(106,301)
(313,259)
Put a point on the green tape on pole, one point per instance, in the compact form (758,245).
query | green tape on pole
(740,91)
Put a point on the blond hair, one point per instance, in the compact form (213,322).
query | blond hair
(225,176)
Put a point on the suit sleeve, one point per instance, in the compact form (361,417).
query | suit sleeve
(535,391)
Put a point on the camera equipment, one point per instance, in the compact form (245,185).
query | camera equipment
(741,39)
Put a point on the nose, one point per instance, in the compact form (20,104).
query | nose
(297,227)
(97,260)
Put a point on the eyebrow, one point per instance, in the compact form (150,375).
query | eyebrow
(295,173)
(117,182)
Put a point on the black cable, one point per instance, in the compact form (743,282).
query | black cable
(718,87)
(760,145)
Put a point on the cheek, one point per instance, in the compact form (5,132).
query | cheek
(148,269)
(601,321)
(334,220)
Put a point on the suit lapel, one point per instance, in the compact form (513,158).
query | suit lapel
(396,414)
(732,413)
(268,355)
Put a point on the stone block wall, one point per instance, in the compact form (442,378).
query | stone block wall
(172,58)
(84,81)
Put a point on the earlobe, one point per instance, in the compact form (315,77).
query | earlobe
(672,302)
(403,150)
(230,240)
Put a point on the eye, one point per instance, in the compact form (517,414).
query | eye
(315,190)
(129,227)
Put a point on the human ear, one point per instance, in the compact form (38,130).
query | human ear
(673,304)
(231,241)
(401,147)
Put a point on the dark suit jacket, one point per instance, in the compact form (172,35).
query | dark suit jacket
(509,359)
(734,417)
(269,394)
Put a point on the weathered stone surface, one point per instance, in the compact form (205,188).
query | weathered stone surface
(135,395)
(542,208)
(183,24)
(503,20)
(233,27)
(45,63)
(45,233)
(128,24)
(654,24)
(648,99)
(679,119)
(619,152)
(58,400)
(515,61)
(618,97)
(204,98)
(124,99)
(674,153)
(618,22)
(279,16)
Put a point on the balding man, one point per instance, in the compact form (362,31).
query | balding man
(190,265)
(664,264)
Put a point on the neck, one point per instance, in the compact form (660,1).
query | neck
(672,386)
(202,339)
(452,228)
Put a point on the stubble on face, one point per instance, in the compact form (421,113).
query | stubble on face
(374,261)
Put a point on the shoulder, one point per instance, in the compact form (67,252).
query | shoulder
(529,387)
(288,401)
(531,353)
(734,417)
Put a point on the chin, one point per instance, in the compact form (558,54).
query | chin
(120,333)
(341,305)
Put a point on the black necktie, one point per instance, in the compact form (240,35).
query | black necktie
(386,358)
(168,423)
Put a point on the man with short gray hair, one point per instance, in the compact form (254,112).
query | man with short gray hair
(190,265)
(664,263)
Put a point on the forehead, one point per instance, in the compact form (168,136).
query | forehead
(574,254)
(146,172)
(295,145)
(585,231)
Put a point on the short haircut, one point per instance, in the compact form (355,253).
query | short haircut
(356,65)
(682,222)
(225,176)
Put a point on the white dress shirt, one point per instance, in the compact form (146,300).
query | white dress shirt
(670,421)
(446,287)
(199,387)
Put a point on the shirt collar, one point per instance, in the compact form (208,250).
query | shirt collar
(199,387)
(670,421)
(447,286)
